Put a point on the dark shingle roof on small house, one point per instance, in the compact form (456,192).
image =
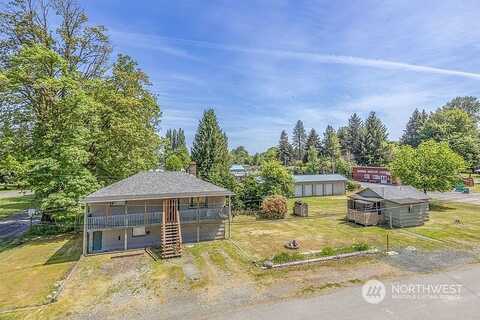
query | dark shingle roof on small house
(157,185)
(319,178)
(397,194)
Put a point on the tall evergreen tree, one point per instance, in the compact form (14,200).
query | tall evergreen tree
(411,135)
(353,136)
(331,145)
(210,147)
(299,140)
(313,140)
(374,151)
(285,149)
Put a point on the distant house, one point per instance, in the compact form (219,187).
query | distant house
(239,171)
(319,185)
(155,208)
(394,206)
(372,175)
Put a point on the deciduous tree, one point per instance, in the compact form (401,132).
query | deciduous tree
(433,166)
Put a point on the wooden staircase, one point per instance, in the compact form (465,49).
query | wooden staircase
(171,233)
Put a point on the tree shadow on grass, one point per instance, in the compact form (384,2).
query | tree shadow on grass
(69,252)
(439,207)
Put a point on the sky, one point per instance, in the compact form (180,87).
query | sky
(263,65)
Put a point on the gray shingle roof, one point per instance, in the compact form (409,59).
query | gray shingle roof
(319,178)
(157,185)
(397,194)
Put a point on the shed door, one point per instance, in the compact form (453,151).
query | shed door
(328,189)
(319,189)
(307,190)
(97,240)
(298,190)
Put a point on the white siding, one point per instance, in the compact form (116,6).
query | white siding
(319,189)
(298,190)
(328,189)
(307,190)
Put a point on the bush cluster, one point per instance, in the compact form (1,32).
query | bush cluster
(274,207)
(353,185)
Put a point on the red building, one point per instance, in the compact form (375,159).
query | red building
(372,175)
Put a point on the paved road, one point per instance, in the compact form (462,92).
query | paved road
(13,193)
(348,303)
(15,225)
(472,198)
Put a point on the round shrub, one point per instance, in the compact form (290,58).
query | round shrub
(353,185)
(274,207)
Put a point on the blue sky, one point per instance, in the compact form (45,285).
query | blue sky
(265,64)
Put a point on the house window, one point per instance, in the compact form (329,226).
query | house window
(198,201)
(138,232)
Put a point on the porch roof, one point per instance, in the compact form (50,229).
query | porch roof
(157,185)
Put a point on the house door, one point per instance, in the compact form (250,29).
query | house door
(383,179)
(97,240)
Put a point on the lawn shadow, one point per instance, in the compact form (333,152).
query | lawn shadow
(440,207)
(69,252)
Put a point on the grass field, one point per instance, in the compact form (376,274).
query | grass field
(28,272)
(325,226)
(9,206)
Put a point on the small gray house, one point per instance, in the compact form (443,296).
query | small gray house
(155,208)
(393,206)
(319,185)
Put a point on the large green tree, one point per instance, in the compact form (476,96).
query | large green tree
(276,180)
(374,144)
(285,149)
(331,146)
(313,140)
(299,140)
(210,147)
(414,127)
(469,104)
(433,166)
(353,136)
(240,155)
(125,122)
(76,126)
(39,81)
(458,129)
(175,147)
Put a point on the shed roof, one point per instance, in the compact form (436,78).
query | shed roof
(397,194)
(156,185)
(319,178)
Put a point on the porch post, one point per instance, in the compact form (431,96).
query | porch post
(125,230)
(85,230)
(198,220)
(229,217)
(126,239)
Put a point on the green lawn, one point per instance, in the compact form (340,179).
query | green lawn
(325,226)
(9,206)
(28,272)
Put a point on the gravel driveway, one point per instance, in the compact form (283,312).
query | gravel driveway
(470,198)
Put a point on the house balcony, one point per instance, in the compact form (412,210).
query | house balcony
(187,215)
(366,218)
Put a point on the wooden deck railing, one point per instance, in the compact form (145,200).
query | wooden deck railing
(153,218)
(366,218)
